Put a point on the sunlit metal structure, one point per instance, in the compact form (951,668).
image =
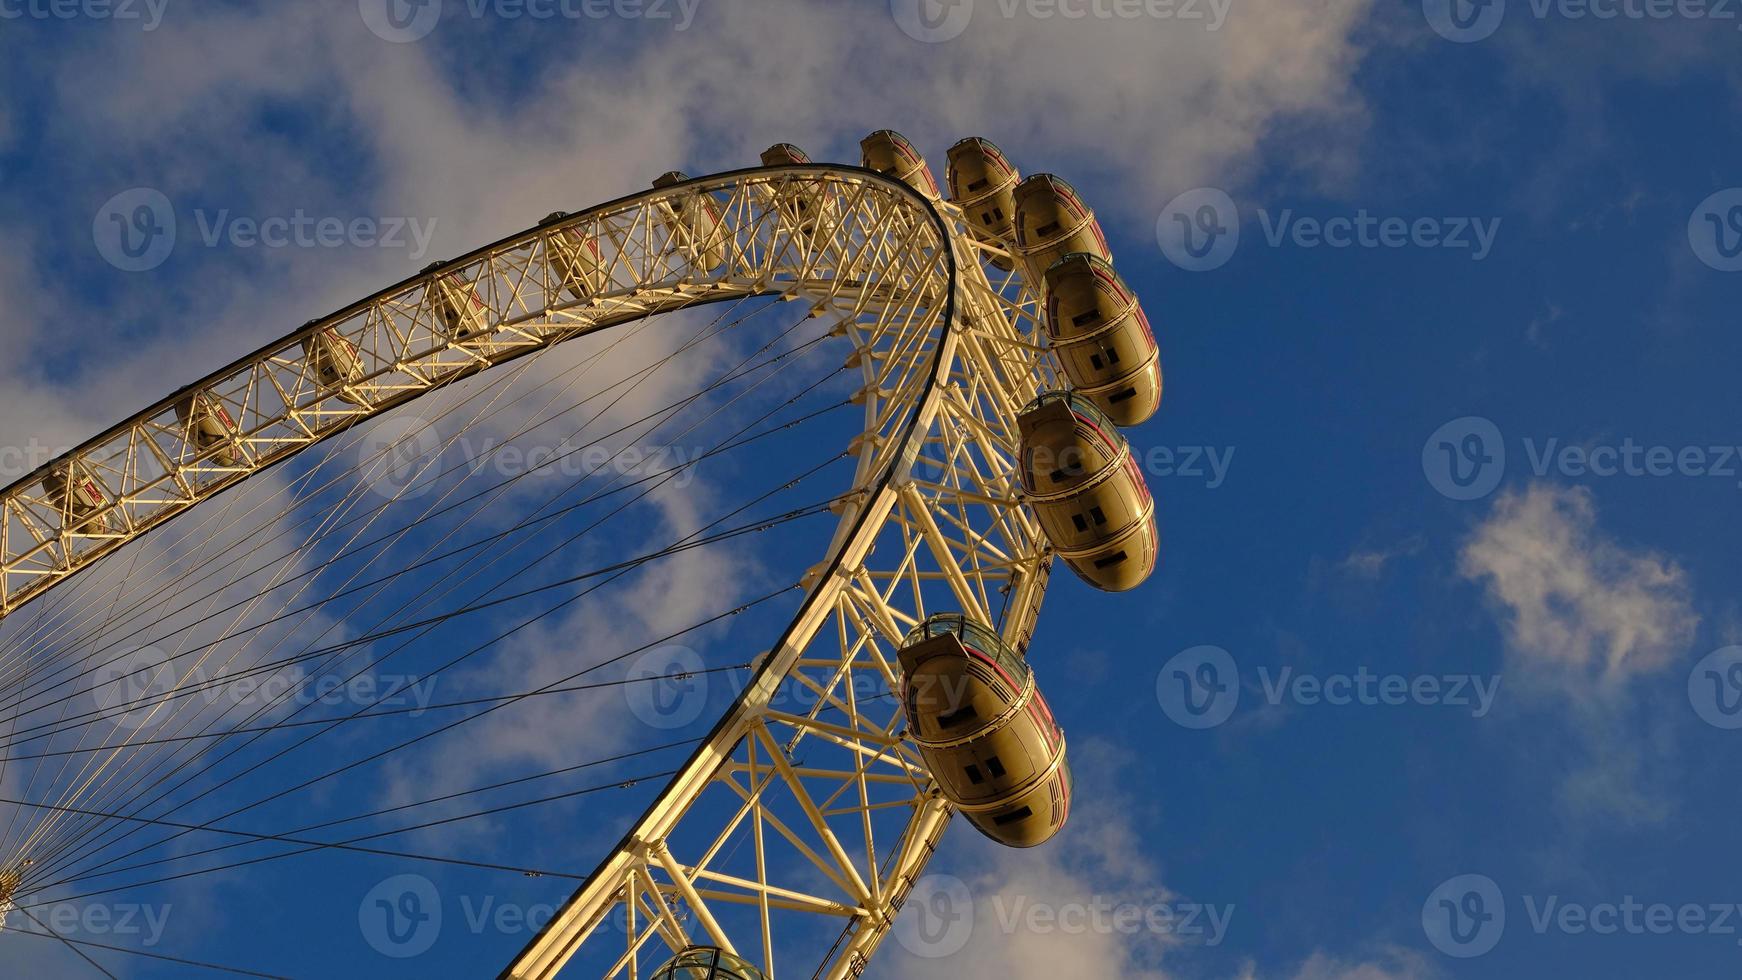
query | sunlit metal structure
(793,834)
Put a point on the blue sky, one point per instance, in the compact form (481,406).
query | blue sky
(1561,192)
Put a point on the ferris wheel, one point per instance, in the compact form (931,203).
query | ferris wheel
(987,353)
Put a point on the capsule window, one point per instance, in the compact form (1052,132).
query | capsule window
(976,185)
(1110,561)
(1112,355)
(1125,395)
(961,716)
(1097,516)
(1047,229)
(1081,524)
(1093,316)
(1014,816)
(974,775)
(998,213)
(995,767)
(1095,359)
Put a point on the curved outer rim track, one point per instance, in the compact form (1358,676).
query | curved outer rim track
(876,494)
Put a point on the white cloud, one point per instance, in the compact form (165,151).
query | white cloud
(1099,858)
(1393,964)
(1584,617)
(1573,597)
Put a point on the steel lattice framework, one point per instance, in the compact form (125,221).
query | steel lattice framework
(797,828)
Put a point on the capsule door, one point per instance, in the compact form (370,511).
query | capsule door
(888,152)
(335,364)
(984,728)
(798,200)
(457,304)
(575,260)
(1051,222)
(208,426)
(693,221)
(1087,491)
(983,184)
(71,489)
(1098,329)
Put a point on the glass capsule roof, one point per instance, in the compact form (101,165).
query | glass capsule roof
(973,636)
(1079,404)
(708,963)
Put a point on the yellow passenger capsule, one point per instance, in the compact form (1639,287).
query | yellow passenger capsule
(693,221)
(1087,491)
(1051,222)
(457,303)
(209,427)
(80,498)
(784,154)
(708,963)
(575,261)
(336,364)
(985,731)
(1102,338)
(795,200)
(983,184)
(889,153)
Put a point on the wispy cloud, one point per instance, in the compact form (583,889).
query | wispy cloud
(1572,597)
